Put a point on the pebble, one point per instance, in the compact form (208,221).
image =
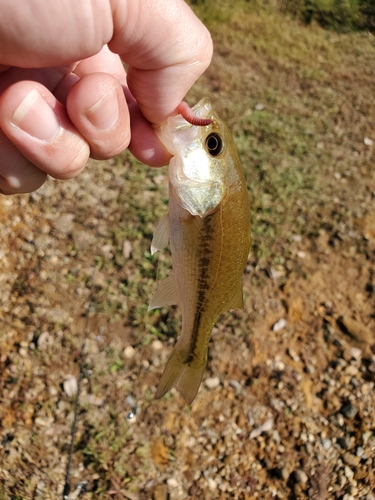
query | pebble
(131,417)
(349,411)
(340,420)
(129,352)
(236,385)
(368,142)
(172,482)
(279,325)
(212,382)
(326,443)
(267,426)
(70,385)
(351,459)
(52,391)
(157,345)
(43,341)
(293,355)
(356,353)
(360,452)
(260,107)
(348,472)
(300,476)
(212,484)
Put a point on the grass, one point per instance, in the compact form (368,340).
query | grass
(299,101)
(297,117)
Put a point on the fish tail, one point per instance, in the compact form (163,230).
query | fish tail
(183,373)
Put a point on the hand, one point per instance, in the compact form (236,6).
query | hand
(64,93)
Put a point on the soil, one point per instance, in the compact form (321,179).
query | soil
(286,407)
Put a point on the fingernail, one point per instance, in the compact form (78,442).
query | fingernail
(104,114)
(36,118)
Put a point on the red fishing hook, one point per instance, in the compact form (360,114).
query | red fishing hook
(186,112)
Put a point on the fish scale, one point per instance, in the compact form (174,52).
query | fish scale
(208,224)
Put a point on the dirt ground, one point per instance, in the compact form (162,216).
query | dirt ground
(286,407)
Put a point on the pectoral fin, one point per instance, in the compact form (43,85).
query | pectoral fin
(161,235)
(165,294)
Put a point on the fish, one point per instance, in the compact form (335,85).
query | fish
(208,227)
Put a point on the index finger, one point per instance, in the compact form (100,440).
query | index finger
(167,49)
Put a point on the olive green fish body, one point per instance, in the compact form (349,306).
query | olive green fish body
(209,252)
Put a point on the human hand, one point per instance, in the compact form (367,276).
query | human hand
(62,91)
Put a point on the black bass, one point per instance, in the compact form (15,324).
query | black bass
(208,225)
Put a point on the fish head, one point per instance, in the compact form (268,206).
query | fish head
(204,167)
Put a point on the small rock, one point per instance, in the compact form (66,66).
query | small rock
(292,353)
(44,421)
(349,411)
(344,443)
(172,482)
(70,385)
(340,420)
(267,426)
(260,107)
(212,382)
(368,142)
(283,473)
(348,472)
(43,341)
(52,391)
(130,400)
(131,417)
(157,345)
(127,249)
(300,476)
(326,443)
(279,325)
(161,492)
(356,352)
(212,485)
(351,459)
(129,352)
(360,452)
(236,385)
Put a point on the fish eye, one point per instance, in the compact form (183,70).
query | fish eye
(214,144)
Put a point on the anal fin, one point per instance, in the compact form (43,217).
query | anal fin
(237,300)
(161,235)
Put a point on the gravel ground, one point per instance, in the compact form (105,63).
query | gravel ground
(286,407)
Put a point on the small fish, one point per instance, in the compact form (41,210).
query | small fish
(208,225)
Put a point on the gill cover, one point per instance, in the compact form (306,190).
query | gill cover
(198,171)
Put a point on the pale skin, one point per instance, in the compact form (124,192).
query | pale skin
(64,94)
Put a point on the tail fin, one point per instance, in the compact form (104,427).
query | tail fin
(186,376)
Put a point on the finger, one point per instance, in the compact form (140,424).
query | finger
(31,37)
(144,144)
(103,62)
(97,107)
(38,125)
(167,49)
(165,44)
(17,174)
